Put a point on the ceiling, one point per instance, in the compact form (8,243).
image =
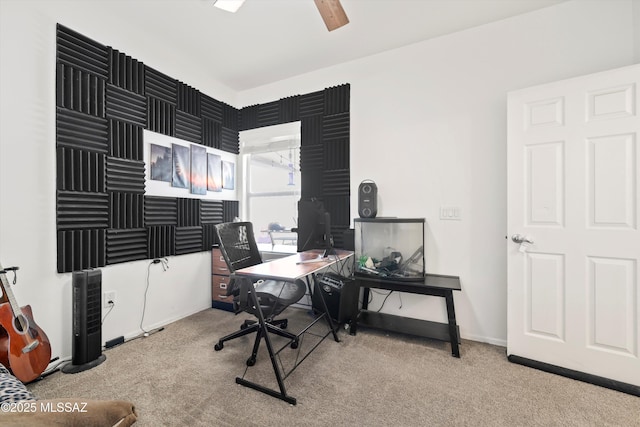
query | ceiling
(271,40)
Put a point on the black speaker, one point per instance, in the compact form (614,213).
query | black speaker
(87,321)
(367,199)
(340,294)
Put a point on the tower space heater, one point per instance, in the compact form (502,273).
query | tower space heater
(87,324)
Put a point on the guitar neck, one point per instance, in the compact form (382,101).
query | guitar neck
(8,293)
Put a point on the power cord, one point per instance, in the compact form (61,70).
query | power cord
(165,267)
(111,305)
(383,301)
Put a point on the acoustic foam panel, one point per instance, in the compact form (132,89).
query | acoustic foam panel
(126,210)
(82,210)
(160,211)
(211,133)
(126,245)
(126,72)
(231,210)
(80,170)
(211,211)
(126,106)
(336,100)
(188,99)
(126,140)
(336,154)
(188,212)
(312,104)
(81,131)
(210,108)
(230,141)
(188,127)
(125,175)
(81,52)
(160,86)
(289,109)
(80,249)
(161,241)
(230,117)
(335,127)
(209,236)
(188,240)
(269,114)
(335,183)
(161,116)
(80,91)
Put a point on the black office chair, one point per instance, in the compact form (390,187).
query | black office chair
(239,249)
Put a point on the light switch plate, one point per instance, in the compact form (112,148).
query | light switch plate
(450,213)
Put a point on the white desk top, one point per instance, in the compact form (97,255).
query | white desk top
(295,266)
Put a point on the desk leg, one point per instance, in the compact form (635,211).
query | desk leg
(283,392)
(453,327)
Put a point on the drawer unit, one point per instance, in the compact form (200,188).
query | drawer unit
(219,281)
(219,265)
(219,288)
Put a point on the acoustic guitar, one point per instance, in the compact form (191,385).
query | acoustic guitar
(24,347)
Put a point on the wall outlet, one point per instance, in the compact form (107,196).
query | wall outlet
(109,296)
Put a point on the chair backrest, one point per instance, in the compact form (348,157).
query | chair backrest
(238,245)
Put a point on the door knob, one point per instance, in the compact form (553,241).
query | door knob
(519,238)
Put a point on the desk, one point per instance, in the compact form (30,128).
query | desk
(433,284)
(300,265)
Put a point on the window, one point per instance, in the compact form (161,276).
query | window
(271,182)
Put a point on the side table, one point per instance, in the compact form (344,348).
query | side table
(434,285)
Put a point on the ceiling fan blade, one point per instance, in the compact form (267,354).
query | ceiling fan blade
(332,13)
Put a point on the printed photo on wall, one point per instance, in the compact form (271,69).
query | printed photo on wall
(214,172)
(228,175)
(198,170)
(180,166)
(160,162)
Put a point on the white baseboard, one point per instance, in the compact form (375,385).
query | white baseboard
(164,322)
(488,340)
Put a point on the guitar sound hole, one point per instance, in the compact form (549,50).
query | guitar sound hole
(21,324)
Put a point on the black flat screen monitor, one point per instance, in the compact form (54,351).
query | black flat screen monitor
(314,226)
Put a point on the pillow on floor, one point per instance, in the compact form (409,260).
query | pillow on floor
(80,413)
(12,389)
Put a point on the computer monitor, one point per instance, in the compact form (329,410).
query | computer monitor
(314,226)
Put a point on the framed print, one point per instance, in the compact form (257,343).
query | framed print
(160,162)
(228,175)
(198,170)
(214,172)
(181,167)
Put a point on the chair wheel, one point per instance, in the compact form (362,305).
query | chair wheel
(284,325)
(294,344)
(219,346)
(251,361)
(243,326)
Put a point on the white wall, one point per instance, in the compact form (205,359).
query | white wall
(28,172)
(428,124)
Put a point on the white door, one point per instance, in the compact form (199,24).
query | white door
(574,191)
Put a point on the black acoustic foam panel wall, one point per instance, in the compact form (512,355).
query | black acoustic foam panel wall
(105,99)
(324,152)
